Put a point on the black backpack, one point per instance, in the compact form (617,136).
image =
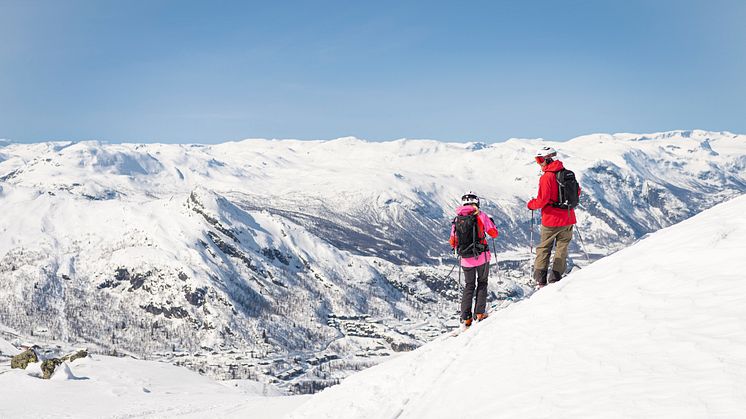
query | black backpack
(467,233)
(568,190)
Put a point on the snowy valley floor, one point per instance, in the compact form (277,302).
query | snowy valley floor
(657,330)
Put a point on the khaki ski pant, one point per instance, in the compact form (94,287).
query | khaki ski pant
(561,236)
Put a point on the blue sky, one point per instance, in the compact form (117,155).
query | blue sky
(181,71)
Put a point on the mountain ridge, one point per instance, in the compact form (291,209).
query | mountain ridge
(260,247)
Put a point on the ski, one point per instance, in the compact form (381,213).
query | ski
(459,330)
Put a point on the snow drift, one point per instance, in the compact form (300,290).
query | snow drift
(655,330)
(102,386)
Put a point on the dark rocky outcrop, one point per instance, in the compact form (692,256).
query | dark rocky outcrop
(77,355)
(401,346)
(23,359)
(195,205)
(168,312)
(232,251)
(48,366)
(273,254)
(136,280)
(196,297)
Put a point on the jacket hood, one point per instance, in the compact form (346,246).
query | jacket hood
(466,210)
(554,166)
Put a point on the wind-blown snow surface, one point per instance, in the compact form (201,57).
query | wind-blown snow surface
(298,253)
(105,387)
(657,330)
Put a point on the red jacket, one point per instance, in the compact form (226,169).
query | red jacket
(549,194)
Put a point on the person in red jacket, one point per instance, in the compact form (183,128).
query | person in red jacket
(471,225)
(556,223)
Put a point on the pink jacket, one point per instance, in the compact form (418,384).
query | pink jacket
(484,224)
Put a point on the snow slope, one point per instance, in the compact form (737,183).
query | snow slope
(6,349)
(657,330)
(102,386)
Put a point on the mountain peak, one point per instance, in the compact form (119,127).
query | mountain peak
(351,140)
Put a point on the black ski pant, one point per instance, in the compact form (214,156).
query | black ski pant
(476,277)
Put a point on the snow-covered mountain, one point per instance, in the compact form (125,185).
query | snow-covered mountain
(654,331)
(300,258)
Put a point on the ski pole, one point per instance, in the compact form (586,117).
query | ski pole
(531,248)
(452,268)
(458,262)
(497,264)
(588,259)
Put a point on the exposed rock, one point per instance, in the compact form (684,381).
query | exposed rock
(196,206)
(231,251)
(272,254)
(77,355)
(48,366)
(23,359)
(136,280)
(401,346)
(196,297)
(168,312)
(10,175)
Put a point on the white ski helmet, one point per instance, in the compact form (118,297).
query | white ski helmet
(470,198)
(546,151)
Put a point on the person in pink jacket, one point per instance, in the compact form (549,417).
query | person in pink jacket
(469,240)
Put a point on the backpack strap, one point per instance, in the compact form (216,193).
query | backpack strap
(559,186)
